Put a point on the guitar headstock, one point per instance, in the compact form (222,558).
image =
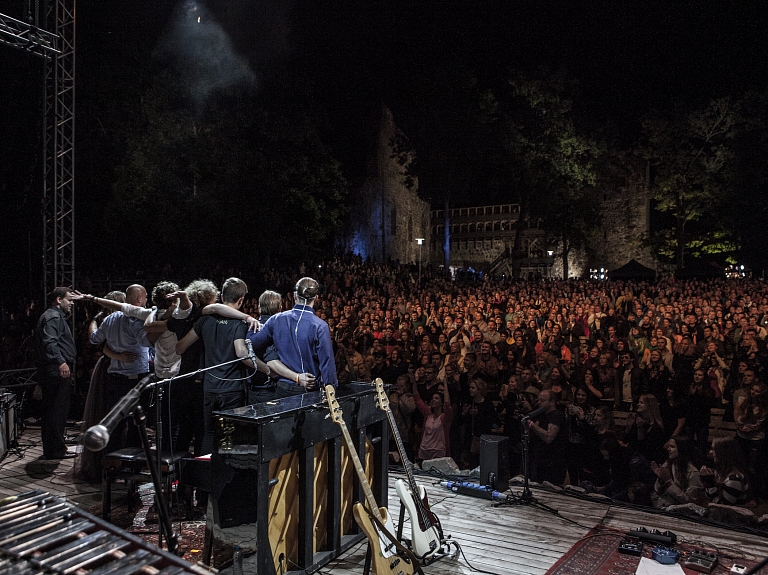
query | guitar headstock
(333,404)
(382,399)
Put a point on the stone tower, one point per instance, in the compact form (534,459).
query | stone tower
(386,216)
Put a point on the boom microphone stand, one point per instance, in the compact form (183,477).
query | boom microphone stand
(97,437)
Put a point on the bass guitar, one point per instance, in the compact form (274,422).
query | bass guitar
(426,531)
(389,556)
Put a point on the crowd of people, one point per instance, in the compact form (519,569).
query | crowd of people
(468,359)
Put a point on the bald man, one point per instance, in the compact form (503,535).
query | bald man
(124,334)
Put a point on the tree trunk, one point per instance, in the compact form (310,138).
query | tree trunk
(566,251)
(680,233)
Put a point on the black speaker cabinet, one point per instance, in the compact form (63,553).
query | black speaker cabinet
(494,461)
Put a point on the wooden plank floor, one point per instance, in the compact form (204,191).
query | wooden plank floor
(507,540)
(525,539)
(22,469)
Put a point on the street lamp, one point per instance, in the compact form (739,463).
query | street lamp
(419,241)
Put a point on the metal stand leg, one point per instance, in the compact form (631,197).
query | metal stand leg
(162,507)
(368,559)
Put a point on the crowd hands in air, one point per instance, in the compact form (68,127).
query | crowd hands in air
(469,358)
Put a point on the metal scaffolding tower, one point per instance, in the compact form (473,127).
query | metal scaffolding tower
(59,151)
(54,41)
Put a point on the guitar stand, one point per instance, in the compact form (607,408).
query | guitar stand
(396,542)
(425,561)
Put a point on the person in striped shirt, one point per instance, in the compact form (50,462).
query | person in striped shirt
(726,482)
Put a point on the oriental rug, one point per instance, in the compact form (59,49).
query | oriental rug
(597,554)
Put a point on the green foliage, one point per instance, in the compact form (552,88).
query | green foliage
(234,182)
(554,164)
(691,157)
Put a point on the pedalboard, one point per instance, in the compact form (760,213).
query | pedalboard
(665,555)
(701,561)
(631,546)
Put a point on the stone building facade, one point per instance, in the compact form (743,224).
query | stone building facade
(626,213)
(482,237)
(387,216)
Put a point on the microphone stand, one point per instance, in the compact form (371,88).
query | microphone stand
(140,419)
(526,497)
(163,513)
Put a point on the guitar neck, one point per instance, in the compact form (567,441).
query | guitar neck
(401,448)
(369,498)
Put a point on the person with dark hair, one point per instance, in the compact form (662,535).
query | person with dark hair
(402,404)
(644,431)
(615,456)
(579,417)
(629,381)
(697,409)
(672,411)
(261,387)
(677,480)
(751,416)
(478,416)
(55,362)
(548,442)
(726,482)
(224,341)
(303,343)
(592,385)
(188,419)
(514,403)
(435,436)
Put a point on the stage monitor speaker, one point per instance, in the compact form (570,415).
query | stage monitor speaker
(8,431)
(494,461)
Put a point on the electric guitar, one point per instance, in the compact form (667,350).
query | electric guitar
(389,556)
(426,531)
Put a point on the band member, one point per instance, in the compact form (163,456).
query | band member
(55,362)
(303,343)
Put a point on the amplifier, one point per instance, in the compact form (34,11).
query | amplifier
(8,427)
(494,461)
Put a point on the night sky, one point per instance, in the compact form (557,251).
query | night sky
(626,57)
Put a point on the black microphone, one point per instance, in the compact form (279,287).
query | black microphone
(535,413)
(97,436)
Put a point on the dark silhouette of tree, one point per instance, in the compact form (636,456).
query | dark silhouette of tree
(552,165)
(691,159)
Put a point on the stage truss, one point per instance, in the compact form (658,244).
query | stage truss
(49,33)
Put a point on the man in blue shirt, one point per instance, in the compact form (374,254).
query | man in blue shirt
(125,334)
(303,343)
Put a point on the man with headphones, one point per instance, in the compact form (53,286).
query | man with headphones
(303,343)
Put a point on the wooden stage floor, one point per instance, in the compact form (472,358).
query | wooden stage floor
(506,540)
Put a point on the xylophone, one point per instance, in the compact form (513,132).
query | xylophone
(43,534)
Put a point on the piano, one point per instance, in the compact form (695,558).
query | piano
(282,487)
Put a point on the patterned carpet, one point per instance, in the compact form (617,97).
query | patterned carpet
(597,554)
